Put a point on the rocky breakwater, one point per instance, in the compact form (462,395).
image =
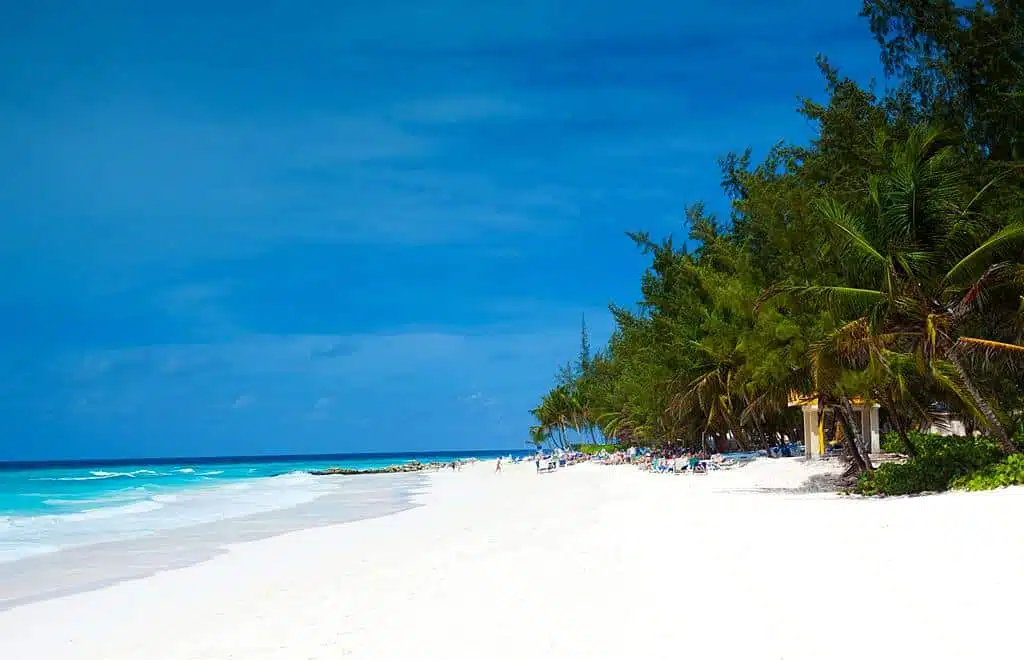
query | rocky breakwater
(390,469)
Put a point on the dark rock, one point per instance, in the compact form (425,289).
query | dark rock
(414,466)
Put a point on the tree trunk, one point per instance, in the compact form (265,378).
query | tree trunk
(738,434)
(762,439)
(995,426)
(901,430)
(853,434)
(908,446)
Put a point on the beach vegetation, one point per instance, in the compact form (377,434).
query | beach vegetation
(592,448)
(882,261)
(1007,472)
(941,462)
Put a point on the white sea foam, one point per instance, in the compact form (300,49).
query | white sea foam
(92,477)
(103,474)
(141,511)
(14,551)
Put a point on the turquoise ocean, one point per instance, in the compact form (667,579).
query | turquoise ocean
(48,507)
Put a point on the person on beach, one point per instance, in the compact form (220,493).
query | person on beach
(497,466)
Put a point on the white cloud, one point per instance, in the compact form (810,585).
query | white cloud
(243,401)
(290,371)
(174,188)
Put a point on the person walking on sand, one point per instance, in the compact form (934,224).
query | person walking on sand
(497,466)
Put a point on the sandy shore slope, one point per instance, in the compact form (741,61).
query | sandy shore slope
(588,562)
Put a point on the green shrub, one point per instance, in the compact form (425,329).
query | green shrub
(595,448)
(1007,472)
(892,444)
(941,460)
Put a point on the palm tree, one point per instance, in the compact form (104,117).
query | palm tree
(710,395)
(921,258)
(559,411)
(539,434)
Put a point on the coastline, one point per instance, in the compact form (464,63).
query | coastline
(97,565)
(589,561)
(50,507)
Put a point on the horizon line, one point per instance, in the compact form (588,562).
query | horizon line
(251,458)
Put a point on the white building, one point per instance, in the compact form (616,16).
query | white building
(814,432)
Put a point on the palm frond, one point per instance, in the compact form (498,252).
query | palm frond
(945,375)
(974,297)
(987,351)
(962,224)
(849,231)
(976,259)
(842,300)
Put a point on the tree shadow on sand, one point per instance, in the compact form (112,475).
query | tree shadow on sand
(817,483)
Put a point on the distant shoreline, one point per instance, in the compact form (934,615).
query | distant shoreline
(258,458)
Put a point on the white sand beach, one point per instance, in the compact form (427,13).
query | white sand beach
(587,562)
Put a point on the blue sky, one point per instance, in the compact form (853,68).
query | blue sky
(234,228)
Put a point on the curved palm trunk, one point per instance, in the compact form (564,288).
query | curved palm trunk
(901,429)
(995,426)
(852,436)
(738,434)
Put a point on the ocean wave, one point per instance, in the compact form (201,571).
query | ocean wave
(185,470)
(133,473)
(89,478)
(144,506)
(96,475)
(141,504)
(296,476)
(125,495)
(15,551)
(51,520)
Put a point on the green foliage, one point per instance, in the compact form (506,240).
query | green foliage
(893,444)
(591,449)
(940,462)
(1007,472)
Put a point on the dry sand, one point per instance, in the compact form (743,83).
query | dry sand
(588,562)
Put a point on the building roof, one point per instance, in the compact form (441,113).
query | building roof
(797,399)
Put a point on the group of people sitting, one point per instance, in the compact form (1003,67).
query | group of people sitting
(684,462)
(667,461)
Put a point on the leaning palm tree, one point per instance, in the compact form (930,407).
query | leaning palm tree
(539,434)
(559,411)
(709,398)
(920,257)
